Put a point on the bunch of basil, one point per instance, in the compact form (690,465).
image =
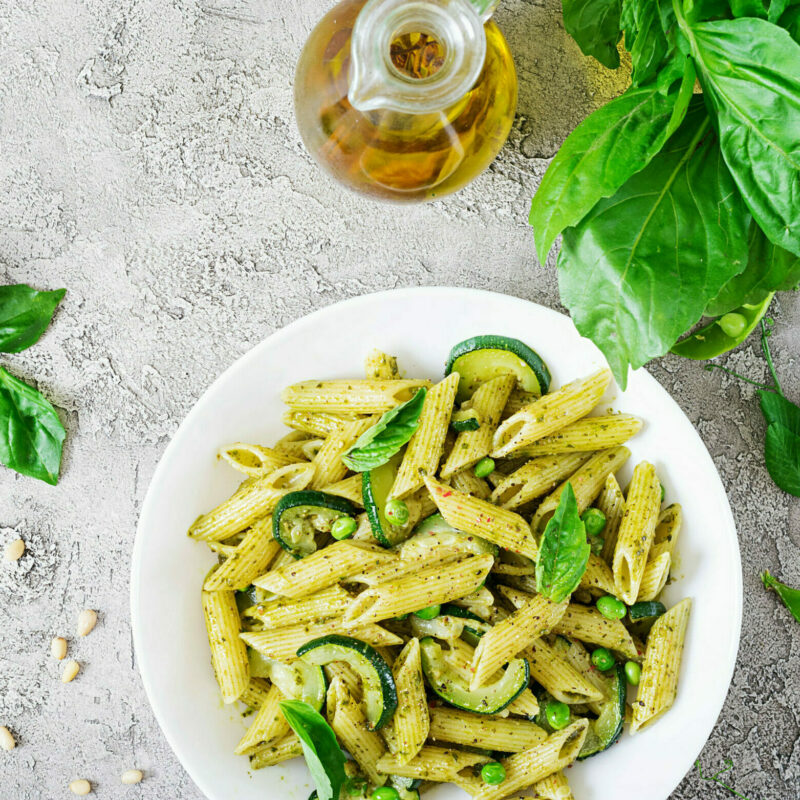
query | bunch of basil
(673,205)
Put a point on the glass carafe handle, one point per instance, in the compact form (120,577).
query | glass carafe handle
(484,8)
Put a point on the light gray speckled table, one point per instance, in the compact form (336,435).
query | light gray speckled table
(149,163)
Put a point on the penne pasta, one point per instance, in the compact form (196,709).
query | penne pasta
(350,396)
(268,725)
(255,498)
(555,674)
(667,530)
(411,721)
(598,578)
(468,482)
(587,482)
(228,653)
(256,693)
(636,531)
(249,560)
(470,447)
(549,413)
(328,465)
(426,587)
(473,730)
(349,488)
(480,518)
(658,686)
(535,478)
(438,764)
(612,503)
(326,604)
(553,787)
(426,446)
(270,754)
(320,424)
(655,576)
(253,460)
(585,435)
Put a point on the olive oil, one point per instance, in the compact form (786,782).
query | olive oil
(397,154)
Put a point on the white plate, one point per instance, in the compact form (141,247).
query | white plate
(419,326)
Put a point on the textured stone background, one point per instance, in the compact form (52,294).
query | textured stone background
(149,163)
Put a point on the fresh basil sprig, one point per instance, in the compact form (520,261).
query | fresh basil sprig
(563,551)
(385,438)
(31,434)
(323,755)
(790,596)
(636,197)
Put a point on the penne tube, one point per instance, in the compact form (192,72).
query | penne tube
(268,725)
(480,518)
(256,693)
(667,530)
(228,653)
(320,424)
(349,723)
(598,577)
(425,448)
(255,498)
(587,434)
(349,488)
(517,400)
(438,764)
(655,576)
(249,560)
(528,767)
(468,482)
(282,643)
(535,478)
(253,460)
(470,447)
(636,531)
(587,482)
(429,586)
(350,396)
(379,366)
(658,686)
(323,568)
(549,413)
(270,754)
(553,672)
(487,732)
(553,787)
(328,464)
(411,721)
(326,604)
(611,502)
(535,616)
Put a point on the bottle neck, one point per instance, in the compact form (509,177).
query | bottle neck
(376,81)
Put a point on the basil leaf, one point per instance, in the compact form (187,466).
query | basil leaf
(595,26)
(777,410)
(603,152)
(790,597)
(790,20)
(782,457)
(564,551)
(706,9)
(748,8)
(776,9)
(385,438)
(641,267)
(769,268)
(750,74)
(24,315)
(649,46)
(31,434)
(323,755)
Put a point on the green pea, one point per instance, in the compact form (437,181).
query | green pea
(355,785)
(602,659)
(732,324)
(484,467)
(343,528)
(633,672)
(385,793)
(594,520)
(663,491)
(431,612)
(558,714)
(396,512)
(493,773)
(611,608)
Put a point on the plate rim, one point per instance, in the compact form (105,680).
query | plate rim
(242,361)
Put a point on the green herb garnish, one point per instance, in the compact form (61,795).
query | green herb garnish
(790,597)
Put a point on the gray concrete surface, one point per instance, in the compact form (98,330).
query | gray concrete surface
(149,163)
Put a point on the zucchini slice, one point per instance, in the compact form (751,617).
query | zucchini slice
(435,534)
(298,516)
(375,487)
(646,611)
(380,692)
(443,679)
(474,628)
(607,728)
(297,681)
(480,358)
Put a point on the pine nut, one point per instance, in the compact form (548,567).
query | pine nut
(14,550)
(81,787)
(58,648)
(87,619)
(71,669)
(6,739)
(132,776)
